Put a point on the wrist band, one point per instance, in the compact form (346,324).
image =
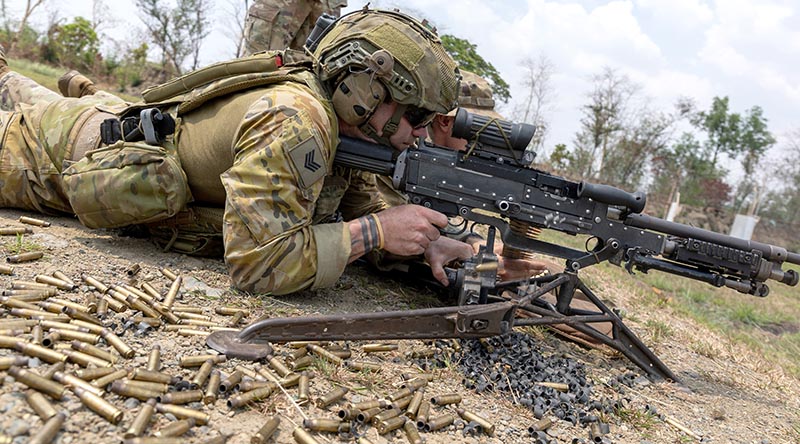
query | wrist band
(380,230)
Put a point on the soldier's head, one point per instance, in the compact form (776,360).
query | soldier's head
(388,74)
(476,96)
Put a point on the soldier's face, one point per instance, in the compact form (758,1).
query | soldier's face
(405,136)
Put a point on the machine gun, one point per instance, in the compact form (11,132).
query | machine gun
(492,183)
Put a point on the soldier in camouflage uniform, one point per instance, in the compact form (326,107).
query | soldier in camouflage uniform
(259,144)
(280,24)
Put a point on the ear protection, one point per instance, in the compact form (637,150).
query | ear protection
(358,94)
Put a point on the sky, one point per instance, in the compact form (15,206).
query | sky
(748,50)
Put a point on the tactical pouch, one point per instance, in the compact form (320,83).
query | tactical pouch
(126,183)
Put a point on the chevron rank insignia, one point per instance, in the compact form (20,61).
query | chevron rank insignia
(308,162)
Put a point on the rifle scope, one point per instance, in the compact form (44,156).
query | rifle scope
(490,131)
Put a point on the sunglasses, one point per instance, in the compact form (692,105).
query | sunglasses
(419,117)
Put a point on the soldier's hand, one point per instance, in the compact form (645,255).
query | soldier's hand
(408,230)
(512,269)
(443,251)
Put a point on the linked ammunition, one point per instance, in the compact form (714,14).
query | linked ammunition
(366,405)
(182,397)
(36,382)
(230,382)
(390,424)
(303,437)
(90,374)
(384,415)
(12,231)
(278,366)
(402,393)
(73,382)
(366,416)
(411,432)
(202,374)
(423,413)
(99,405)
(324,354)
(169,274)
(7,362)
(124,349)
(413,406)
(38,351)
(123,388)
(139,374)
(50,280)
(85,360)
(110,378)
(199,360)
(439,422)
(33,221)
(177,428)
(142,420)
(468,416)
(450,398)
(40,405)
(248,397)
(362,366)
(267,430)
(25,257)
(172,293)
(331,397)
(212,388)
(183,412)
(376,348)
(47,433)
(7,270)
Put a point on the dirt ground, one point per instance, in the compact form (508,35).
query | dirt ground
(727,395)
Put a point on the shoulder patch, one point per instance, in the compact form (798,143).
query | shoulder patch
(308,162)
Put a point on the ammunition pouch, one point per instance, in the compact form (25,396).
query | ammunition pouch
(196,231)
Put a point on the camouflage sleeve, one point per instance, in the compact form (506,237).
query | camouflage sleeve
(362,196)
(282,151)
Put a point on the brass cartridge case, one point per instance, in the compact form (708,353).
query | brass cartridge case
(139,374)
(33,221)
(36,382)
(9,342)
(114,304)
(50,280)
(249,385)
(390,424)
(173,291)
(94,351)
(341,354)
(82,316)
(122,388)
(468,416)
(30,285)
(197,323)
(324,354)
(57,367)
(189,315)
(30,295)
(246,371)
(99,405)
(154,359)
(7,362)
(267,374)
(248,397)
(47,433)
(322,425)
(230,311)
(230,382)
(331,397)
(413,406)
(439,422)
(182,397)
(302,387)
(384,415)
(210,395)
(267,430)
(348,414)
(101,287)
(176,428)
(279,367)
(109,378)
(362,366)
(12,231)
(7,270)
(49,305)
(187,309)
(415,384)
(10,302)
(302,362)
(102,308)
(15,332)
(155,440)
(401,403)
(40,405)
(297,354)
(38,351)
(37,314)
(449,398)
(25,257)
(85,360)
(202,374)
(124,349)
(169,274)
(142,420)
(411,432)
(72,381)
(77,336)
(366,405)
(303,437)
(423,414)
(402,393)
(183,412)
(147,385)
(221,439)
(363,440)
(301,344)
(90,374)
(377,348)
(365,417)
(64,277)
(199,360)
(236,319)
(151,291)
(133,269)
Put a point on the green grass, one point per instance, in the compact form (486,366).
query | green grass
(21,245)
(48,76)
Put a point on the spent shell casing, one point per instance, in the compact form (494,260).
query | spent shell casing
(324,354)
(72,381)
(183,412)
(390,424)
(246,371)
(366,405)
(139,374)
(301,436)
(57,367)
(279,367)
(401,403)
(114,304)
(40,405)
(386,414)
(449,398)
(74,335)
(9,341)
(199,360)
(124,349)
(348,414)
(90,374)
(423,413)
(7,270)
(302,344)
(341,353)
(230,311)
(47,433)
(25,257)
(322,424)
(469,416)
(33,221)
(362,366)
(231,381)
(7,362)
(439,422)
(36,382)
(30,295)
(150,290)
(79,315)
(169,274)
(188,309)
(331,397)
(50,280)
(110,378)
(411,432)
(415,384)
(41,352)
(302,362)
(363,440)
(99,405)
(376,348)
(182,397)
(10,302)
(236,319)
(15,332)
(102,308)
(297,354)
(142,420)
(60,275)
(202,374)
(402,393)
(302,387)
(133,269)
(94,351)
(173,291)
(176,428)
(267,430)
(30,285)
(147,385)
(210,395)
(154,359)
(290,380)
(365,417)
(99,286)
(84,359)
(248,397)
(155,440)
(413,406)
(122,388)
(89,326)
(11,231)
(249,385)
(37,314)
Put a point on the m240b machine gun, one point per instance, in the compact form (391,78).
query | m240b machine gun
(491,183)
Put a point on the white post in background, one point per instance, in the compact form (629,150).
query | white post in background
(674,207)
(743,226)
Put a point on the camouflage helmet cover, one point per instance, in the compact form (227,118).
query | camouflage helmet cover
(476,96)
(423,74)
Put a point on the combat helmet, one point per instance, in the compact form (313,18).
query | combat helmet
(366,54)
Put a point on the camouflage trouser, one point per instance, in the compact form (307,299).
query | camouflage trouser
(40,131)
(280,24)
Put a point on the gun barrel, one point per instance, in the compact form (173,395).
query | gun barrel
(366,156)
(607,194)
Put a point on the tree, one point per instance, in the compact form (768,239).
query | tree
(75,45)
(538,98)
(467,57)
(236,13)
(30,7)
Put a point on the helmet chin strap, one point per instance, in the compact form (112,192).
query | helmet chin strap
(389,128)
